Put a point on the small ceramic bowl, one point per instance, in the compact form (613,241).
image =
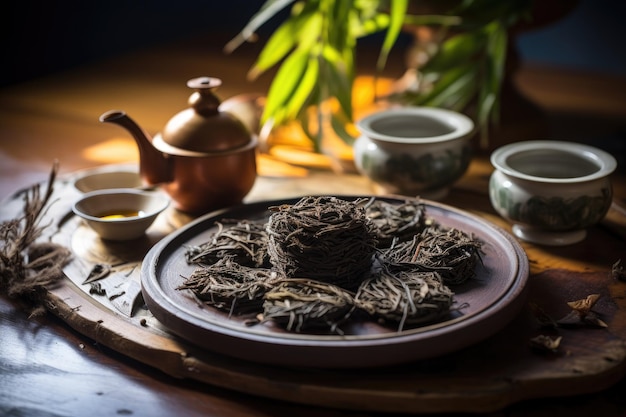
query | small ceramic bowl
(108,180)
(414,150)
(551,191)
(120,214)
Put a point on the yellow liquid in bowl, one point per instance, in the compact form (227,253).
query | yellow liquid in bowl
(121,215)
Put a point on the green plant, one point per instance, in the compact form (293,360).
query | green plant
(467,68)
(315,49)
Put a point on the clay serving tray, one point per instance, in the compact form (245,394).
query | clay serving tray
(487,303)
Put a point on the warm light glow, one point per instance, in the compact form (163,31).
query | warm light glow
(112,151)
(290,144)
(268,166)
(290,134)
(365,92)
(295,156)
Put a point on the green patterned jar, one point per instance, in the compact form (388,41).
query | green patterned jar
(416,151)
(551,191)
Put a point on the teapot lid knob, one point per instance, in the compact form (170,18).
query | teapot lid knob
(202,127)
(204,83)
(203,100)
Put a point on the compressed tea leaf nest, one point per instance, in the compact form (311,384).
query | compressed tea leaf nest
(323,262)
(322,238)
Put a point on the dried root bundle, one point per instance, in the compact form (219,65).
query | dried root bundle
(407,297)
(28,267)
(450,252)
(323,238)
(396,222)
(229,286)
(300,304)
(245,241)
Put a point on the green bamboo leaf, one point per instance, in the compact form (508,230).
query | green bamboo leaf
(303,90)
(338,31)
(442,82)
(489,96)
(464,95)
(432,20)
(276,48)
(331,54)
(496,51)
(315,137)
(478,13)
(457,50)
(338,80)
(303,30)
(310,30)
(486,104)
(339,126)
(370,26)
(269,9)
(458,94)
(396,15)
(285,82)
(451,91)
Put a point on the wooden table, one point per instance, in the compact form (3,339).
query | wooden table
(49,367)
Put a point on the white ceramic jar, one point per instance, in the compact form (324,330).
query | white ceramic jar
(416,151)
(551,191)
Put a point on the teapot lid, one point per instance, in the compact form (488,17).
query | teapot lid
(203,128)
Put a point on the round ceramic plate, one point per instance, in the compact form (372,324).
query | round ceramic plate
(486,303)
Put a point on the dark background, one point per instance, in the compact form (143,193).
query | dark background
(39,38)
(46,37)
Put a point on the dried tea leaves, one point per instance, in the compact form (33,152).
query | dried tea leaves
(451,252)
(543,319)
(323,238)
(408,297)
(245,241)
(396,222)
(581,316)
(545,343)
(301,304)
(323,261)
(618,272)
(582,313)
(229,286)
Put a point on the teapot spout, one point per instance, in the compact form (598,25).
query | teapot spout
(155,167)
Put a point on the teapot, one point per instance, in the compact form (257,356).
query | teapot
(204,158)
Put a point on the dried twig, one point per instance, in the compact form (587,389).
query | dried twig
(27,267)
